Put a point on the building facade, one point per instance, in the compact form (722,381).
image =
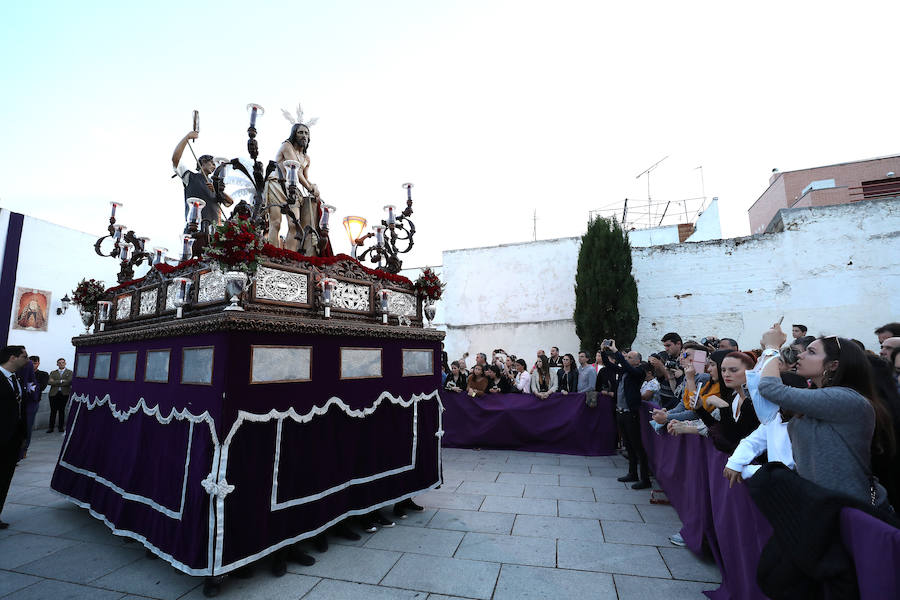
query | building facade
(841,183)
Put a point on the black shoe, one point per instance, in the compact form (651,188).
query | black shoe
(212,586)
(408,504)
(367,523)
(343,530)
(50,431)
(279,564)
(398,511)
(641,485)
(4,525)
(301,557)
(628,478)
(320,542)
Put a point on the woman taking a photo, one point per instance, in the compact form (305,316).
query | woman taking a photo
(682,419)
(456,381)
(832,434)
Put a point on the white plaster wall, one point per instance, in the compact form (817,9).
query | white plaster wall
(708,225)
(527,288)
(654,236)
(55,258)
(835,269)
(520,297)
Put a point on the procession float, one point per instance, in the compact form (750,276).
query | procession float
(249,394)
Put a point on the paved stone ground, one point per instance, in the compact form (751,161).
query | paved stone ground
(504,525)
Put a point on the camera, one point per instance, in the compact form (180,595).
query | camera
(671,364)
(710,341)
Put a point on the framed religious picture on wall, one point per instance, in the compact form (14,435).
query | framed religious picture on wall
(32,309)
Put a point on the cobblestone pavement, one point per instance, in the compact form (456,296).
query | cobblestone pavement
(504,525)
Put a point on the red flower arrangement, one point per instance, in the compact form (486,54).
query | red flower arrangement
(87,293)
(235,246)
(429,285)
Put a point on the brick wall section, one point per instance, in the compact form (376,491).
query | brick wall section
(785,188)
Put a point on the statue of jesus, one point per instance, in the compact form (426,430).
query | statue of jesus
(306,210)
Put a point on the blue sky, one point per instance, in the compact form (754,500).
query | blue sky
(493,109)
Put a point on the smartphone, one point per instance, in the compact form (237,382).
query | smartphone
(699,361)
(781,320)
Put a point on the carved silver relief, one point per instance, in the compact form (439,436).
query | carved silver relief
(351,296)
(148,302)
(402,304)
(282,286)
(212,287)
(170,297)
(123,308)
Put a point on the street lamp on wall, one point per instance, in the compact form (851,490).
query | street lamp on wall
(65,305)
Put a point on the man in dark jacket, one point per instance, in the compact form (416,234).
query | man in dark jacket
(628,410)
(12,416)
(28,375)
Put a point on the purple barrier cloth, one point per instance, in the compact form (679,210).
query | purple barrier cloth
(740,532)
(685,481)
(689,468)
(211,477)
(561,424)
(875,547)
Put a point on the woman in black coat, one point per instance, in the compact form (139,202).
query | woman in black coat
(567,376)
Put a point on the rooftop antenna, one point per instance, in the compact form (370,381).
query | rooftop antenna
(647,173)
(534,231)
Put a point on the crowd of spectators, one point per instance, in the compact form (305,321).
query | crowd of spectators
(825,407)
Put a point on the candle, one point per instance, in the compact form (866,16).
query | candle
(187,249)
(103,308)
(124,252)
(195,210)
(143,243)
(255,111)
(379,235)
(327,288)
(181,285)
(327,209)
(385,297)
(408,187)
(391,219)
(293,170)
(117,233)
(159,255)
(114,206)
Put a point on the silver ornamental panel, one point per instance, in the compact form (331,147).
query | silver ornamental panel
(123,308)
(212,287)
(402,304)
(148,302)
(350,296)
(282,286)
(170,296)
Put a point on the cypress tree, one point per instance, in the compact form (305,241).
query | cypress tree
(605,290)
